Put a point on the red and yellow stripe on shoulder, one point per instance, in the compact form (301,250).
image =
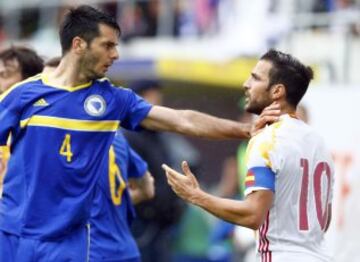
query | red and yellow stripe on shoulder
(250,179)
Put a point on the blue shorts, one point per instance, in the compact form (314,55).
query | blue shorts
(72,248)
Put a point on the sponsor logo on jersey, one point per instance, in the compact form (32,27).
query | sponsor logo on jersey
(41,102)
(95,105)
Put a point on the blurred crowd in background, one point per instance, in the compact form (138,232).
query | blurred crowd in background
(318,31)
(152,18)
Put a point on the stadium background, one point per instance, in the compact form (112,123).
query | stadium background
(203,50)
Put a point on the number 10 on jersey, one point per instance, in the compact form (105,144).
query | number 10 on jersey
(321,169)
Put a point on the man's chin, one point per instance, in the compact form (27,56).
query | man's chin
(97,76)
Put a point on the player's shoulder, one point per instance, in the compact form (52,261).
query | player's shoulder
(106,83)
(269,138)
(20,86)
(287,127)
(268,133)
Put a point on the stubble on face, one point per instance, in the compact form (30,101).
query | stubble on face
(257,89)
(88,65)
(100,53)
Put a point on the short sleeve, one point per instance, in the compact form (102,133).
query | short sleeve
(137,166)
(9,113)
(137,111)
(261,162)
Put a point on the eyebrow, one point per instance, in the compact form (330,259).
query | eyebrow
(254,75)
(112,43)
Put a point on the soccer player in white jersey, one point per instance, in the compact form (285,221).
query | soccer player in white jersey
(290,172)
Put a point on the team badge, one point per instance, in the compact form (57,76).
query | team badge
(95,105)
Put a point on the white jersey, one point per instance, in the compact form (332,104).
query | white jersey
(290,159)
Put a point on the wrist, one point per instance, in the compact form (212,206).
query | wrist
(198,198)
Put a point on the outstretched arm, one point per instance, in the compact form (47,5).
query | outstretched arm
(249,213)
(189,122)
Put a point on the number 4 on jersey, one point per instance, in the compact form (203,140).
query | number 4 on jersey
(65,149)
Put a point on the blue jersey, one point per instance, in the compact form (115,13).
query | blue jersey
(112,211)
(58,139)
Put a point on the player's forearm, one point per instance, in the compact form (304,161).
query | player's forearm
(193,123)
(234,211)
(203,125)
(142,189)
(135,196)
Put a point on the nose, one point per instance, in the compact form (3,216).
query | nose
(114,54)
(246,84)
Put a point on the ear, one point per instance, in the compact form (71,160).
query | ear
(78,44)
(278,92)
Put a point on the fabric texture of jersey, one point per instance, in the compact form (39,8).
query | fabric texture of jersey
(59,136)
(290,159)
(112,211)
(73,247)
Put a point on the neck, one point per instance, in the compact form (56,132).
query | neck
(68,73)
(285,108)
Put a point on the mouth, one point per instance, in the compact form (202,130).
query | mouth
(106,67)
(247,97)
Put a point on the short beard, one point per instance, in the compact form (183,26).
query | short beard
(258,108)
(87,63)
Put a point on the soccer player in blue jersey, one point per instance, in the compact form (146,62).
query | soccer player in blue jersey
(61,124)
(126,182)
(16,64)
(112,211)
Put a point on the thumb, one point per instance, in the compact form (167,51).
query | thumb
(186,169)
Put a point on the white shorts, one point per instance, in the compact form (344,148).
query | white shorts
(290,256)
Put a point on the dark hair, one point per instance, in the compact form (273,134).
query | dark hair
(30,63)
(290,72)
(83,21)
(53,62)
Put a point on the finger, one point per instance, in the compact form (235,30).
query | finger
(170,179)
(270,119)
(165,167)
(272,112)
(185,167)
(266,120)
(168,169)
(275,105)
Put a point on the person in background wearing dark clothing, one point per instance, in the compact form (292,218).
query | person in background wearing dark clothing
(154,226)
